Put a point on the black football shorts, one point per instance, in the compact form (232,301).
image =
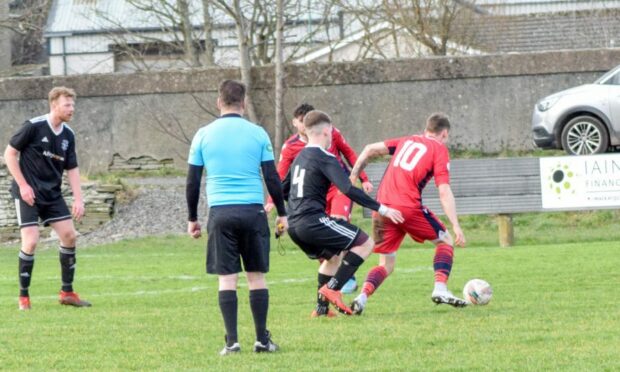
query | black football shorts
(321,236)
(48,212)
(237,233)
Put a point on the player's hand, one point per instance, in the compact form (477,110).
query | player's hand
(77,210)
(269,207)
(459,237)
(367,186)
(281,225)
(353,179)
(193,229)
(394,215)
(27,194)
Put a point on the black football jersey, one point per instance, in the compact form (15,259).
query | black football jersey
(309,178)
(44,155)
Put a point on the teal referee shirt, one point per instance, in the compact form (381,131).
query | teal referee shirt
(231,149)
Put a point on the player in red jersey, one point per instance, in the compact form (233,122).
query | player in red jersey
(416,159)
(338,204)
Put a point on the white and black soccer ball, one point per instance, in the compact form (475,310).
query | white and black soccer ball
(477,292)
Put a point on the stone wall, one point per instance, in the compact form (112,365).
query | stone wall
(140,163)
(489,99)
(99,201)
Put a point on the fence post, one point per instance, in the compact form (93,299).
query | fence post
(506,232)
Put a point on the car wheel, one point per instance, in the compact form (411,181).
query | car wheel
(584,135)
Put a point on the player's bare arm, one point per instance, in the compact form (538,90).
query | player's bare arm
(77,210)
(369,152)
(11,157)
(448,204)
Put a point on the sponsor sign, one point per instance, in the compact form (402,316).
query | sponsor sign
(580,181)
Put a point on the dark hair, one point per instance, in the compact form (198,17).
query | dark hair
(316,117)
(437,122)
(302,110)
(232,92)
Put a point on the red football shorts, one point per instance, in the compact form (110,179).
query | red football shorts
(420,223)
(338,204)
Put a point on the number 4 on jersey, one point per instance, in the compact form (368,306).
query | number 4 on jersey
(404,158)
(298,180)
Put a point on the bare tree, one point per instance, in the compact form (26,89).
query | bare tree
(208,32)
(243,40)
(170,33)
(411,27)
(188,39)
(27,24)
(279,75)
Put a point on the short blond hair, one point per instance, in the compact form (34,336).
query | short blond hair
(56,92)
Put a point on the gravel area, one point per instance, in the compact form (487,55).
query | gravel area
(159,209)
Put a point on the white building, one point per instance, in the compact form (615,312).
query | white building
(93,36)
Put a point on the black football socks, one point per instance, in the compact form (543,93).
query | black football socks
(259,304)
(67,267)
(228,307)
(350,263)
(321,303)
(26,263)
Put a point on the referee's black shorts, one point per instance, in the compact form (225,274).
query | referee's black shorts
(237,233)
(321,236)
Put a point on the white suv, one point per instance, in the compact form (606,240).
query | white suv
(582,120)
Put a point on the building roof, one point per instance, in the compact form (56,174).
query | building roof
(550,31)
(97,16)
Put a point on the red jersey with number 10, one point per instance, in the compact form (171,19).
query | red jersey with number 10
(415,160)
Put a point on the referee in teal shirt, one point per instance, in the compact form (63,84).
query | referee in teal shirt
(234,153)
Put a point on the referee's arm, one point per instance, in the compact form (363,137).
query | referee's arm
(274,186)
(192,194)
(192,191)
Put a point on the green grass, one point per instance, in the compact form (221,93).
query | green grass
(534,228)
(458,153)
(554,308)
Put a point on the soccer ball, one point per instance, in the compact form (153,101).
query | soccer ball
(477,292)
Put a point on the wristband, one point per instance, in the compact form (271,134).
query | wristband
(382,210)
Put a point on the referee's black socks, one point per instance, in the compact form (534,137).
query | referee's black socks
(26,263)
(259,304)
(228,307)
(350,263)
(67,267)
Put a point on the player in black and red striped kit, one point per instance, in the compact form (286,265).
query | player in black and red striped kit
(37,155)
(316,233)
(415,161)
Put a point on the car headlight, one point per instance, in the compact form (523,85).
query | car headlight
(546,103)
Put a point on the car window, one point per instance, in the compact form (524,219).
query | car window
(610,78)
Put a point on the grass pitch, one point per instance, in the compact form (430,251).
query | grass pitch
(555,307)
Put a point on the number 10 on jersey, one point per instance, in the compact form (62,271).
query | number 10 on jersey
(404,158)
